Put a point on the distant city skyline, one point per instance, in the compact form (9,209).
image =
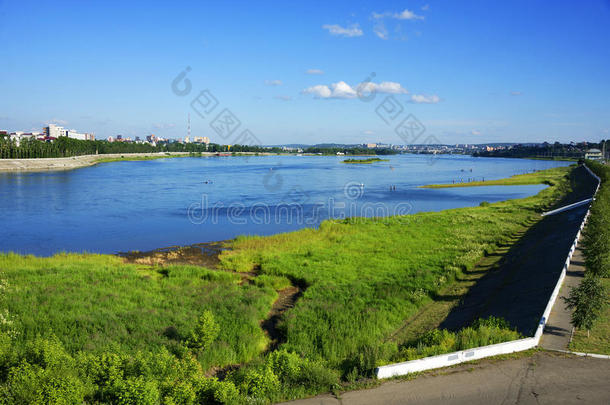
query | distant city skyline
(469,72)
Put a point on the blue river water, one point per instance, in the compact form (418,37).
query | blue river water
(143,205)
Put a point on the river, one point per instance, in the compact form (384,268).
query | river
(143,205)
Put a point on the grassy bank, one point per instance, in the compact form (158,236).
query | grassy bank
(127,157)
(93,328)
(540,177)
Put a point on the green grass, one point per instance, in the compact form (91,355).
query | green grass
(363,279)
(365,161)
(127,157)
(548,176)
(366,276)
(96,303)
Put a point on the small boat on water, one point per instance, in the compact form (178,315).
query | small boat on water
(223,154)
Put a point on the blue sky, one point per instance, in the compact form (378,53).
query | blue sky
(470,72)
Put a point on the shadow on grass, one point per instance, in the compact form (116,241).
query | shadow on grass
(518,286)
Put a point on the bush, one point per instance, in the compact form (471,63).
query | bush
(259,382)
(32,384)
(218,392)
(294,371)
(137,391)
(205,332)
(483,332)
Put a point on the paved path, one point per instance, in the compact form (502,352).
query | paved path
(545,377)
(558,328)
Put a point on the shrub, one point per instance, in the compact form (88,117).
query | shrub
(218,392)
(259,382)
(205,332)
(32,384)
(137,391)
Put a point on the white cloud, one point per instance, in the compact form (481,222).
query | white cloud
(351,31)
(283,98)
(380,30)
(475,132)
(408,15)
(424,99)
(425,7)
(403,15)
(515,93)
(314,72)
(345,91)
(319,91)
(368,132)
(273,82)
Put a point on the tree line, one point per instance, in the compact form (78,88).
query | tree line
(67,147)
(545,150)
(589,299)
(350,150)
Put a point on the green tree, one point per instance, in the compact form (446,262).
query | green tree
(587,301)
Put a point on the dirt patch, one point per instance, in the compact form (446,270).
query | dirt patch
(286,300)
(200,254)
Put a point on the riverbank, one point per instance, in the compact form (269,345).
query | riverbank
(360,280)
(76,162)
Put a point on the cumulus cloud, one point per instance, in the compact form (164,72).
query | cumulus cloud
(425,99)
(314,72)
(515,93)
(351,31)
(273,82)
(403,15)
(345,91)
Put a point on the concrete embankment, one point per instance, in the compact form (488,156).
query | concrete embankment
(74,162)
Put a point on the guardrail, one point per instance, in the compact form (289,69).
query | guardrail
(450,359)
(567,207)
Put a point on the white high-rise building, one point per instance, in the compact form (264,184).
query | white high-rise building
(55,131)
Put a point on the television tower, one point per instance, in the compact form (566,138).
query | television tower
(189,128)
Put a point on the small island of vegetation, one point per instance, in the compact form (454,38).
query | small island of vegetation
(365,161)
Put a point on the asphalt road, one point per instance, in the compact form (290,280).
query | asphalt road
(543,378)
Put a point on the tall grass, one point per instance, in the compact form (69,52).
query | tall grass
(97,303)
